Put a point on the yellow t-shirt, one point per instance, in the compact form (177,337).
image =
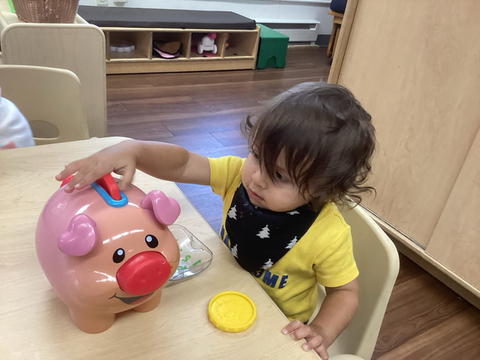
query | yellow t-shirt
(324,253)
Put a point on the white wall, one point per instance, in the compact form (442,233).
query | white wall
(258,10)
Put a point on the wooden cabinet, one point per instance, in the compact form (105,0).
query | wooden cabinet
(414,66)
(455,242)
(237,49)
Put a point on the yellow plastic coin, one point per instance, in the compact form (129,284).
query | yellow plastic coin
(231,311)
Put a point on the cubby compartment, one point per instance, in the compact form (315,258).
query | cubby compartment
(207,53)
(241,44)
(140,40)
(161,37)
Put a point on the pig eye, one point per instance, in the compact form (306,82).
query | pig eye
(118,255)
(151,241)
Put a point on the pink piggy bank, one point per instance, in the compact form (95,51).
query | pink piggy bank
(105,251)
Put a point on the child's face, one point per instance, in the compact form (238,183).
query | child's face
(278,195)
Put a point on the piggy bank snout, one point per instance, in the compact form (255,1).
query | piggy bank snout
(143,273)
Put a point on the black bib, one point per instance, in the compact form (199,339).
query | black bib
(260,237)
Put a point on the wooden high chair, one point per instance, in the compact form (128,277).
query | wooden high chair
(337,24)
(78,47)
(49,98)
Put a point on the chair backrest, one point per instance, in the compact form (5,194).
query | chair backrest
(49,99)
(378,262)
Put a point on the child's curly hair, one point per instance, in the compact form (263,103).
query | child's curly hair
(327,136)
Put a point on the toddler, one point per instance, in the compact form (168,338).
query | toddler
(310,148)
(15,131)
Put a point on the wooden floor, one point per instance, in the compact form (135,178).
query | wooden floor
(202,111)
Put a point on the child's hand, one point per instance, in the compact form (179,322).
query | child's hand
(314,341)
(119,158)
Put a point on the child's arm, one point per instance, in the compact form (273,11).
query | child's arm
(336,312)
(162,160)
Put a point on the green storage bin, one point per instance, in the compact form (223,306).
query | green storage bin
(272,49)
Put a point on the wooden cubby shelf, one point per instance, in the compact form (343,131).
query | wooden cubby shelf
(236,49)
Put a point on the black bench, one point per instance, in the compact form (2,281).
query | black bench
(164,18)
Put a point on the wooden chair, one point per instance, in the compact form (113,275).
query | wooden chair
(49,98)
(378,263)
(337,24)
(78,47)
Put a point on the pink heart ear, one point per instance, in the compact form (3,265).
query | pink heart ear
(79,239)
(166,209)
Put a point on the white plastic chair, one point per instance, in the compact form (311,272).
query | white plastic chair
(49,98)
(378,262)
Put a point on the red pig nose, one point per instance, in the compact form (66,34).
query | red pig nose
(144,273)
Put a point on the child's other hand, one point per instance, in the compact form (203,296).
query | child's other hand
(118,158)
(314,341)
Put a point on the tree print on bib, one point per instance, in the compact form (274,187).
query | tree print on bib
(264,233)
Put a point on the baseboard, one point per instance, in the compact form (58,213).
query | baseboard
(299,31)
